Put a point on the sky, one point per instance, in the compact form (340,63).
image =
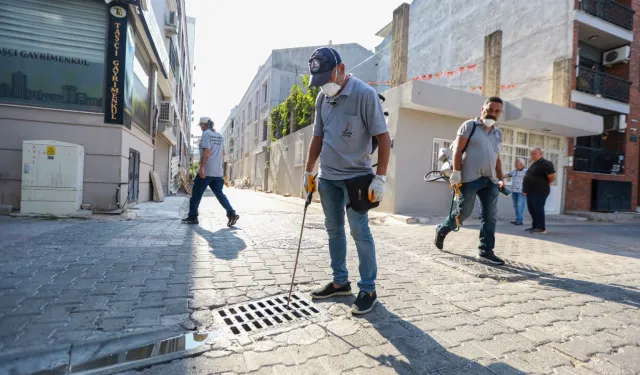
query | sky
(234,37)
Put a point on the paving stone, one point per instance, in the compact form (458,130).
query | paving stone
(341,363)
(255,360)
(579,348)
(545,358)
(344,327)
(457,336)
(627,357)
(608,340)
(470,351)
(603,367)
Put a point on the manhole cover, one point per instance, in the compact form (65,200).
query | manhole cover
(292,243)
(249,318)
(510,271)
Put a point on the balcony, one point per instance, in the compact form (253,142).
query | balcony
(603,85)
(610,11)
(596,160)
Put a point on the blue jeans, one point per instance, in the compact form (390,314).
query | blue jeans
(334,199)
(536,203)
(487,192)
(519,201)
(200,185)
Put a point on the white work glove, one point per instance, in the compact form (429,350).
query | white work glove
(456,178)
(376,188)
(309,182)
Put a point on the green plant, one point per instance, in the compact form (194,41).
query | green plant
(296,112)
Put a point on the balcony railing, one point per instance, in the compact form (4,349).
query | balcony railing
(604,85)
(596,160)
(610,11)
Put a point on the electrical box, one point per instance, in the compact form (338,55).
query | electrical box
(52,177)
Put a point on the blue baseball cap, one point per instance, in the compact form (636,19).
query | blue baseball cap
(321,65)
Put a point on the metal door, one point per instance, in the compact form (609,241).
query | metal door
(134,175)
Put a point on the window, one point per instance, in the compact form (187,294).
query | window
(53,56)
(519,143)
(299,153)
(265,92)
(256,134)
(140,112)
(256,111)
(265,129)
(249,112)
(438,143)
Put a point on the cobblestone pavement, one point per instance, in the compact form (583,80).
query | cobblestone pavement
(66,281)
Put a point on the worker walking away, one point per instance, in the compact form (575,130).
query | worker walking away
(210,174)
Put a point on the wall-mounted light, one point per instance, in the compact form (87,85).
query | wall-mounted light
(594,37)
(546,129)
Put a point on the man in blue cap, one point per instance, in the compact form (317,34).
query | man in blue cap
(348,115)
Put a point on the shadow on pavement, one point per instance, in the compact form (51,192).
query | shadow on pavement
(224,242)
(621,240)
(415,352)
(610,292)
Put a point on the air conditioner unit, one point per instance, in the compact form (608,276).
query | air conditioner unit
(622,123)
(172,23)
(615,56)
(166,112)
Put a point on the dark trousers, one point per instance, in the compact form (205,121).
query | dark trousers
(215,184)
(535,204)
(487,193)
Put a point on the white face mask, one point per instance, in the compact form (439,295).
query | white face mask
(488,122)
(331,88)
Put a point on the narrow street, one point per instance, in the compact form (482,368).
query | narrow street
(569,303)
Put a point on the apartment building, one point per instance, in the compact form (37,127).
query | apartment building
(247,131)
(582,54)
(113,78)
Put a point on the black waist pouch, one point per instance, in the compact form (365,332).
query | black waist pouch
(358,190)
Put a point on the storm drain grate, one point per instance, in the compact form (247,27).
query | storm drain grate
(252,317)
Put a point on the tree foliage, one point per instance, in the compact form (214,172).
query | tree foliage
(296,112)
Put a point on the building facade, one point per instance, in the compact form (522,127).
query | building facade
(573,53)
(92,74)
(247,129)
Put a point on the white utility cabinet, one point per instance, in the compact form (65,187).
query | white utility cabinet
(52,176)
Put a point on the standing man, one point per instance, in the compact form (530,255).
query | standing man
(477,166)
(210,173)
(519,199)
(537,186)
(348,114)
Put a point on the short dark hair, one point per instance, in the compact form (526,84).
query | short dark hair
(493,99)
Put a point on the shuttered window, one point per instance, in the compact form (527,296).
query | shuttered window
(52,53)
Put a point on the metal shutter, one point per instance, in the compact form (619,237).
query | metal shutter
(161,163)
(68,27)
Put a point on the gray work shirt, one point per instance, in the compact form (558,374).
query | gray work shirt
(481,155)
(214,142)
(346,129)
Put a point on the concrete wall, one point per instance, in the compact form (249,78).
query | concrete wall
(445,35)
(285,177)
(106,161)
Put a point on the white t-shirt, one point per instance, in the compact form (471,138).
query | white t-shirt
(214,142)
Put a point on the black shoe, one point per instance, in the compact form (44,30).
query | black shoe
(539,231)
(331,291)
(530,229)
(190,220)
(491,258)
(516,223)
(364,303)
(439,239)
(233,219)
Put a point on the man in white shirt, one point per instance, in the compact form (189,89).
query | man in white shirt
(210,173)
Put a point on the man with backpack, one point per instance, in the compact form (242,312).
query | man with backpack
(348,117)
(477,170)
